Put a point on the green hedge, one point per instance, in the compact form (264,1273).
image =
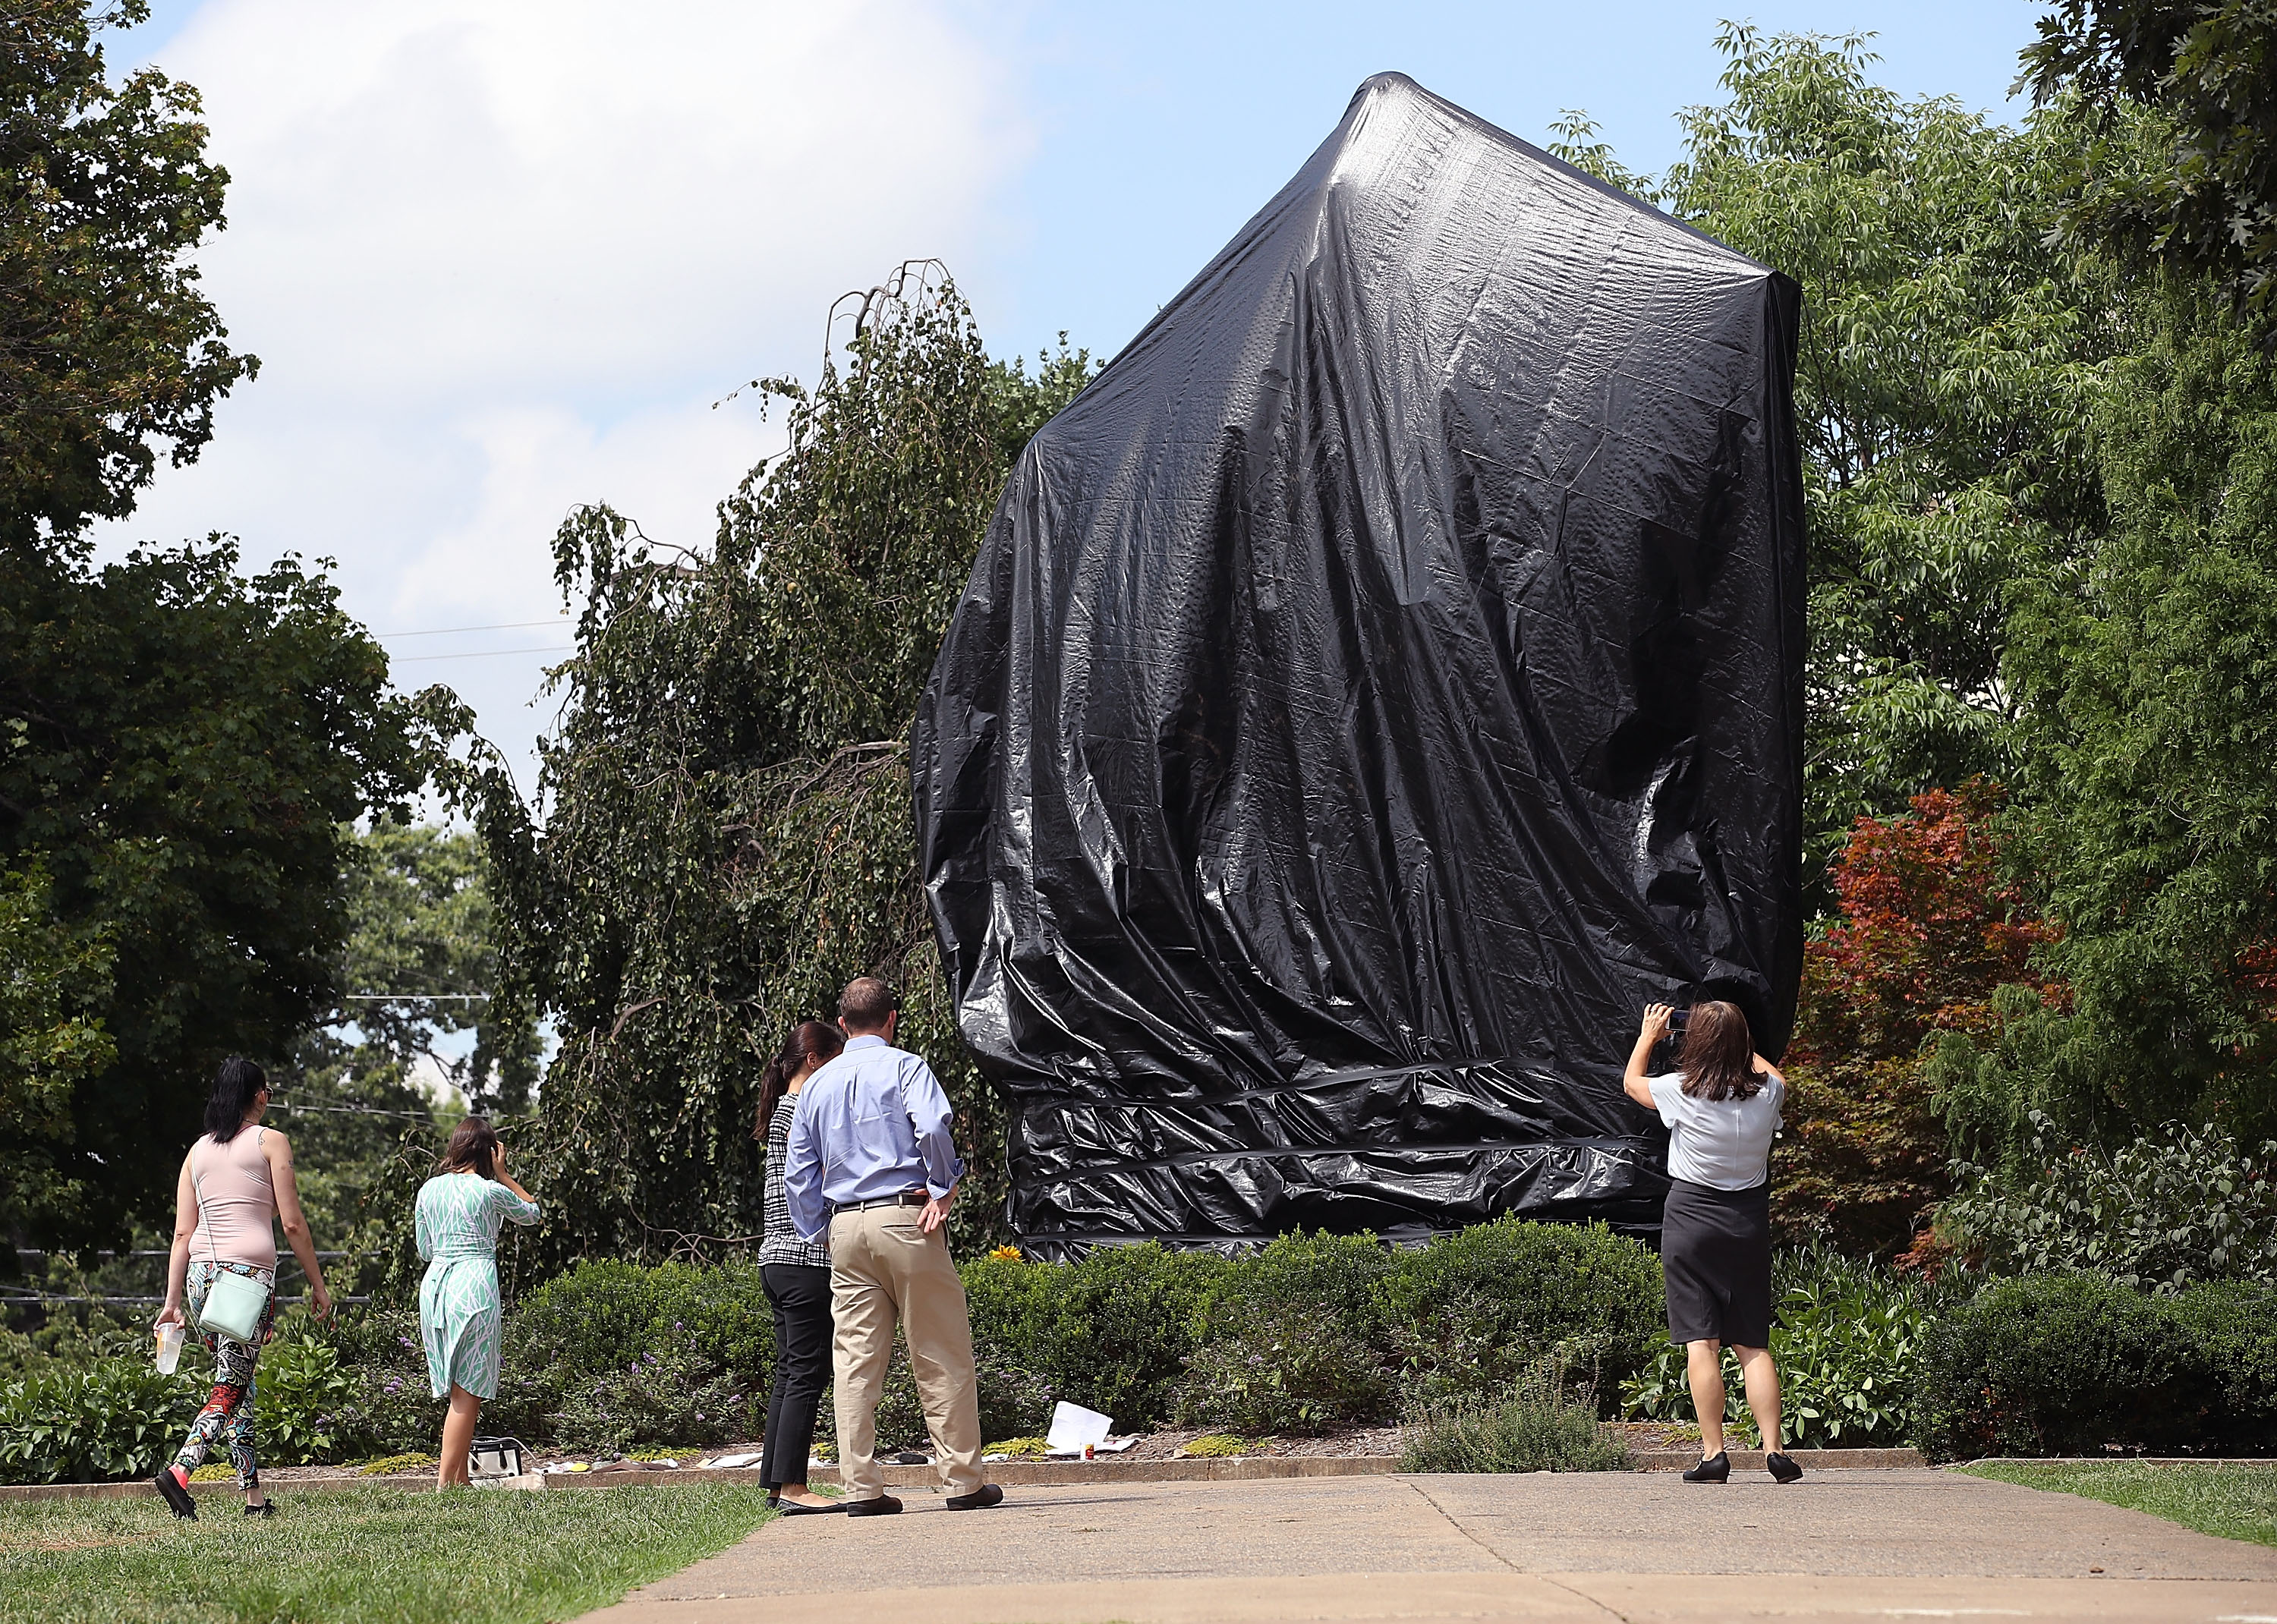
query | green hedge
(1313,1332)
(2056,1365)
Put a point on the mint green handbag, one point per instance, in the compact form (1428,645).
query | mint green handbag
(234,1303)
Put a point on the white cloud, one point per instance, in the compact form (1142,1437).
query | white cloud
(499,258)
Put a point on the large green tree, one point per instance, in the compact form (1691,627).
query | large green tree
(2152,827)
(2207,200)
(182,748)
(726,836)
(110,352)
(1951,354)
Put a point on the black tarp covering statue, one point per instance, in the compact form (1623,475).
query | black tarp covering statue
(1374,688)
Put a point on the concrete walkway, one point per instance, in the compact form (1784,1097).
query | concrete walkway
(1918,1545)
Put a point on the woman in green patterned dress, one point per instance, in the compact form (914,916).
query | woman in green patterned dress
(460,1212)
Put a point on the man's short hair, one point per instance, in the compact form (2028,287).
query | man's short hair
(866,1003)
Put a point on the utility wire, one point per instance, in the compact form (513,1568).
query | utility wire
(453,630)
(483,654)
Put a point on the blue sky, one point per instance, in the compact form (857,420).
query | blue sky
(500,257)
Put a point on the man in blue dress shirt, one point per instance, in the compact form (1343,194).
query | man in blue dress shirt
(869,1160)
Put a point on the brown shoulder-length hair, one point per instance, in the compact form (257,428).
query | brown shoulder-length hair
(1718,1056)
(473,1149)
(809,1040)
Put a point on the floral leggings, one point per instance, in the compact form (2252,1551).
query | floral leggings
(230,1406)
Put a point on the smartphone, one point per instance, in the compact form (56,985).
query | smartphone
(1678,1019)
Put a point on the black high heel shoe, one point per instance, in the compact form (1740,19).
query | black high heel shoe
(1716,1469)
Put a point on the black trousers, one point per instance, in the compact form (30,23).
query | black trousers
(800,1295)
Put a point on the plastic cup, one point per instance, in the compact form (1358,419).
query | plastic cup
(170,1348)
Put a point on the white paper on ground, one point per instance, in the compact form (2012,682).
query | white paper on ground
(728,1463)
(1074,1426)
(1115,1445)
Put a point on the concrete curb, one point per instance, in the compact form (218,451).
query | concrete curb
(1011,1474)
(1809,1459)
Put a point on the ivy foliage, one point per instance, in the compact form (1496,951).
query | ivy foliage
(726,836)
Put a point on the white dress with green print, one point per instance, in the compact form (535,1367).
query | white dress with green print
(460,1214)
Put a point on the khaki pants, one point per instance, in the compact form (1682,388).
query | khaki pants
(883,1268)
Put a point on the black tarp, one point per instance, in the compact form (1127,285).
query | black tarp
(1378,684)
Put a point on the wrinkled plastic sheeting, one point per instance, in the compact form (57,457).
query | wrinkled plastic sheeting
(1374,689)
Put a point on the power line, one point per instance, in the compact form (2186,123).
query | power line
(483,654)
(453,630)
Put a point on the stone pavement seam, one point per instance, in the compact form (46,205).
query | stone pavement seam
(1587,1600)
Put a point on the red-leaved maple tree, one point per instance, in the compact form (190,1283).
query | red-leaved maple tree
(1928,928)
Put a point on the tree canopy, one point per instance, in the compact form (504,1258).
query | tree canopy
(182,750)
(727,837)
(2202,195)
(109,350)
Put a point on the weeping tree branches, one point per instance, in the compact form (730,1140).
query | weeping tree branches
(727,833)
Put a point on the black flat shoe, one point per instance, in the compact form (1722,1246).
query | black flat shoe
(1781,1467)
(800,1508)
(1716,1469)
(884,1505)
(184,1504)
(982,1498)
(267,1508)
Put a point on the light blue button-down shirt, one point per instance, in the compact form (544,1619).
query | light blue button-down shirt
(872,1123)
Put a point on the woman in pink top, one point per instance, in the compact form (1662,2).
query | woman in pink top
(236,1182)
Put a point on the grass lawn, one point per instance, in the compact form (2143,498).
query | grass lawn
(477,1556)
(2236,1502)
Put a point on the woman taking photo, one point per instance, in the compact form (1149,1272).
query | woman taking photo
(796,1276)
(235,1182)
(459,1212)
(1722,1107)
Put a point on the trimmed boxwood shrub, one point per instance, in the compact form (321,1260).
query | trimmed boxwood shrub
(2081,1363)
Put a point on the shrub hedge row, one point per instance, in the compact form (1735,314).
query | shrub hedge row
(2069,1364)
(1311,1333)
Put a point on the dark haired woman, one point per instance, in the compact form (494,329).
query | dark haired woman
(460,1212)
(1722,1107)
(796,1275)
(236,1180)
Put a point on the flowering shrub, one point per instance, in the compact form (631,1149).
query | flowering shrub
(2180,1206)
(673,1394)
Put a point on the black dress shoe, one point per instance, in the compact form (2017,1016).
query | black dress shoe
(986,1495)
(797,1508)
(184,1504)
(883,1505)
(1716,1469)
(1781,1467)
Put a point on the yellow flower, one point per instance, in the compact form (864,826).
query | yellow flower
(1007,1254)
